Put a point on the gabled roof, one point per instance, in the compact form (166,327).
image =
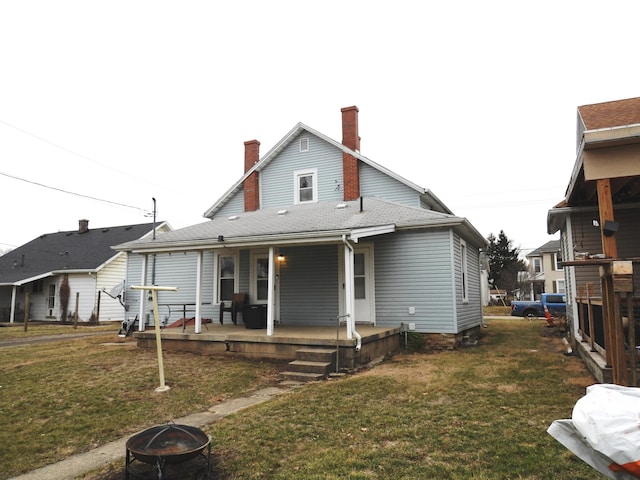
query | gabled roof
(309,223)
(551,246)
(429,198)
(69,251)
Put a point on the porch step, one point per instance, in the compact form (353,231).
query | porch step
(310,367)
(311,364)
(302,376)
(316,354)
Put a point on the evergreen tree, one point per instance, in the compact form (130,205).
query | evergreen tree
(504,263)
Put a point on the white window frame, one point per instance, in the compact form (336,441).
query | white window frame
(537,260)
(557,258)
(559,286)
(304,144)
(219,278)
(313,173)
(464,271)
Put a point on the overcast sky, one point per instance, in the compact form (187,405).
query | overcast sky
(123,101)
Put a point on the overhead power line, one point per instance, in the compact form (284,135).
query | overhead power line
(144,211)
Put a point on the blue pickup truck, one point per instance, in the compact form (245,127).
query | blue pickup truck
(556,304)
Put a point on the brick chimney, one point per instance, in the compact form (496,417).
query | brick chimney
(251,185)
(83,226)
(350,139)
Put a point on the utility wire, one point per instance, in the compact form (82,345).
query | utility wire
(144,211)
(64,149)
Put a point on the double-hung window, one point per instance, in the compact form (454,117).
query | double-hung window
(227,267)
(305,186)
(465,276)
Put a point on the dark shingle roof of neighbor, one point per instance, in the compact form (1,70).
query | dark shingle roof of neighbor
(70,250)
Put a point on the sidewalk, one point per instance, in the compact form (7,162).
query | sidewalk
(83,463)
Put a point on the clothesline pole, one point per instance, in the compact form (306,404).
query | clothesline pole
(154,296)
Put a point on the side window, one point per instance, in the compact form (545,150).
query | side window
(465,277)
(226,277)
(305,186)
(557,258)
(537,264)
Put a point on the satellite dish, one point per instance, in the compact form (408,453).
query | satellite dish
(116,291)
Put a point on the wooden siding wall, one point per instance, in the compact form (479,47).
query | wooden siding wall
(414,269)
(309,286)
(586,238)
(374,183)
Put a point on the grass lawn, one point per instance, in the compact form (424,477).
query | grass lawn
(477,413)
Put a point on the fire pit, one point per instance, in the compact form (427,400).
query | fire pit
(165,445)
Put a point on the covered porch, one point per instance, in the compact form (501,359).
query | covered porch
(282,343)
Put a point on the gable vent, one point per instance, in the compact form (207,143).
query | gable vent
(304,144)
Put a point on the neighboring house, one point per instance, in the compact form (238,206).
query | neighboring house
(545,274)
(599,224)
(315,231)
(84,257)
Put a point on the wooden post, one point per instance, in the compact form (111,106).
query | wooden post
(75,313)
(605,206)
(631,330)
(26,310)
(97,319)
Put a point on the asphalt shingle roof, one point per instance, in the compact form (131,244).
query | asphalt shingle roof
(299,220)
(611,114)
(70,250)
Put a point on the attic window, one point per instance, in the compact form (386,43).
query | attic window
(305,186)
(304,144)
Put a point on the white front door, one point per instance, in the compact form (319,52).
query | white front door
(363,285)
(259,290)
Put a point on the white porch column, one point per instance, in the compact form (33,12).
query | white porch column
(270,293)
(198,321)
(12,313)
(348,290)
(143,281)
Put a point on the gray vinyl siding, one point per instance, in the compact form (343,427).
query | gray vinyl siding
(277,181)
(173,270)
(468,313)
(234,206)
(414,269)
(309,286)
(374,183)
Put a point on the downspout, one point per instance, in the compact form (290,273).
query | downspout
(349,302)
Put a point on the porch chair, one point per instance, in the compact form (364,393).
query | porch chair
(237,304)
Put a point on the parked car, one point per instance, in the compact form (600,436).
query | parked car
(556,303)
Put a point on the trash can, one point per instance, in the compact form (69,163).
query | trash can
(255,316)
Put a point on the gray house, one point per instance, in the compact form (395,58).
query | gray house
(317,235)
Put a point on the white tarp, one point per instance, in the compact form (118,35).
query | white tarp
(604,430)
